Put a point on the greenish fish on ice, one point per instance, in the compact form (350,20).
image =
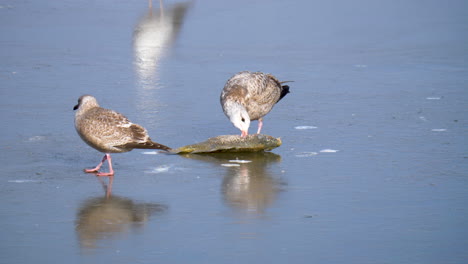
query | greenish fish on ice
(232,143)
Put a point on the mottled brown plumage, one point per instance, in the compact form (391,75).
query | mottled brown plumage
(108,131)
(250,96)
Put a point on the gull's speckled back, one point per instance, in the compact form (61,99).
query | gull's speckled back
(108,131)
(256,91)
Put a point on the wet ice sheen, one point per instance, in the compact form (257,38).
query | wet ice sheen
(240,161)
(304,127)
(150,152)
(22,181)
(160,169)
(230,165)
(306,154)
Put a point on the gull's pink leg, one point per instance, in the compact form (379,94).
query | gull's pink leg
(98,166)
(260,125)
(111,171)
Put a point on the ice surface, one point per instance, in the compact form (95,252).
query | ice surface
(393,181)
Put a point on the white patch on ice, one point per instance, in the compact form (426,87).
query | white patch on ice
(230,165)
(305,127)
(150,152)
(433,98)
(160,169)
(329,150)
(360,65)
(36,138)
(422,118)
(240,161)
(306,154)
(439,129)
(22,181)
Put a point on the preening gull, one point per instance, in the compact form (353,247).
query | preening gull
(109,132)
(250,96)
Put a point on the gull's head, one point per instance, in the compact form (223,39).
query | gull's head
(86,102)
(238,117)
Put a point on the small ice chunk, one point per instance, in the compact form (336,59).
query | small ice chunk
(439,129)
(422,118)
(306,154)
(160,169)
(329,150)
(240,161)
(22,181)
(150,152)
(230,165)
(433,98)
(36,138)
(305,127)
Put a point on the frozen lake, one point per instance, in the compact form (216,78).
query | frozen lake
(373,166)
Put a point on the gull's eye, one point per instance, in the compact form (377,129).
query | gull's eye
(243,120)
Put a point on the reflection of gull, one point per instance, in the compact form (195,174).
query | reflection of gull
(153,35)
(103,218)
(249,187)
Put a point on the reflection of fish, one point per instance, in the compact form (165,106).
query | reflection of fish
(232,143)
(109,132)
(250,96)
(101,218)
(250,187)
(255,158)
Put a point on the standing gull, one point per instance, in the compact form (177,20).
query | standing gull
(250,96)
(109,132)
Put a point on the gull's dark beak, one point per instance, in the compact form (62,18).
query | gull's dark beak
(76,107)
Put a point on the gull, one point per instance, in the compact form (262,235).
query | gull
(250,96)
(109,132)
